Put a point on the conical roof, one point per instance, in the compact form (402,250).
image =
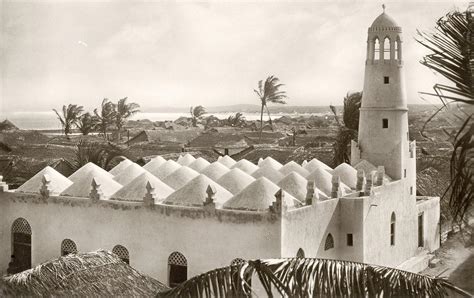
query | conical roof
(293,167)
(86,168)
(258,196)
(120,167)
(129,173)
(269,161)
(226,161)
(194,193)
(180,177)
(347,174)
(215,170)
(313,164)
(165,169)
(323,181)
(154,163)
(57,184)
(269,172)
(199,164)
(82,186)
(136,190)
(235,180)
(186,160)
(296,185)
(245,166)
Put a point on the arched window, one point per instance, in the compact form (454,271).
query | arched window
(392,229)
(329,242)
(122,253)
(376,49)
(386,48)
(398,49)
(237,261)
(177,269)
(21,246)
(68,247)
(300,253)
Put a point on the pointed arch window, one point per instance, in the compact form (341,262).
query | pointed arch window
(329,242)
(300,253)
(68,247)
(392,229)
(386,48)
(122,253)
(21,246)
(177,269)
(376,49)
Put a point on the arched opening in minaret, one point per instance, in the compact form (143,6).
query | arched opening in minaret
(386,48)
(398,49)
(376,49)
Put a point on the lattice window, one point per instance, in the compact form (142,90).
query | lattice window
(122,253)
(300,253)
(177,258)
(329,242)
(237,261)
(68,247)
(20,225)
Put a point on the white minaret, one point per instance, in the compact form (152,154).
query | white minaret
(383,127)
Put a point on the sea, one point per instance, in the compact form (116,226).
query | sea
(47,121)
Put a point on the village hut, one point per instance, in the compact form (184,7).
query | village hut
(86,168)
(129,173)
(180,177)
(313,164)
(296,185)
(94,274)
(136,190)
(347,174)
(258,196)
(165,169)
(246,166)
(226,160)
(269,161)
(194,193)
(57,182)
(199,164)
(293,167)
(215,170)
(269,172)
(235,180)
(120,167)
(82,185)
(186,160)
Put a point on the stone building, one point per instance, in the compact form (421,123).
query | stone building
(208,215)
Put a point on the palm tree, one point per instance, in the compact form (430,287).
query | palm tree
(236,120)
(196,113)
(101,154)
(87,123)
(451,46)
(69,118)
(269,92)
(106,116)
(348,127)
(124,111)
(309,277)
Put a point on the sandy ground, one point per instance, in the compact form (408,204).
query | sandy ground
(456,262)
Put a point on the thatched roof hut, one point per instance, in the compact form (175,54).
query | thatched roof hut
(94,274)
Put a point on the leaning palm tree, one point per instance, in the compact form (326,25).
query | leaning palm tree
(348,127)
(452,56)
(124,111)
(269,92)
(69,117)
(106,116)
(309,277)
(197,113)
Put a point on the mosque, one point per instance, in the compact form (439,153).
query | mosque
(175,219)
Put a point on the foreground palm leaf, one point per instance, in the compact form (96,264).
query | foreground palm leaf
(310,277)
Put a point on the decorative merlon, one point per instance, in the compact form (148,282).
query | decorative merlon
(209,202)
(336,191)
(3,185)
(380,175)
(150,196)
(360,180)
(310,195)
(368,184)
(278,206)
(96,193)
(45,189)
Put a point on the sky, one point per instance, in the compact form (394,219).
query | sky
(178,54)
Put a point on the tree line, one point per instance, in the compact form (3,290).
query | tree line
(110,115)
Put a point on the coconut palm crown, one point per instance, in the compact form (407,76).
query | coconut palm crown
(123,111)
(69,118)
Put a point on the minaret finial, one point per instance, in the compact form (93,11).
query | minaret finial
(383,6)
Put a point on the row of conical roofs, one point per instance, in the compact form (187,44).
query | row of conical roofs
(189,181)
